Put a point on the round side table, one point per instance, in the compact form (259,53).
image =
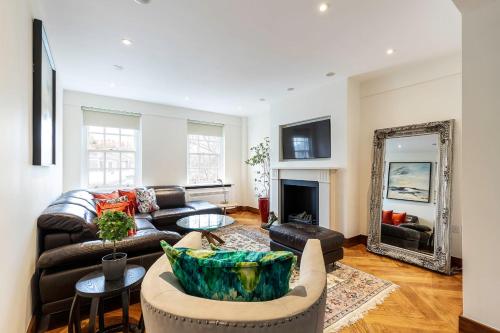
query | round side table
(95,287)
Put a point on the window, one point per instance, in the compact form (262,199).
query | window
(111,149)
(205,153)
(301,147)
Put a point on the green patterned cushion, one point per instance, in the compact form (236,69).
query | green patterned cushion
(232,275)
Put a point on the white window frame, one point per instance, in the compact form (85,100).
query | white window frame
(221,161)
(87,151)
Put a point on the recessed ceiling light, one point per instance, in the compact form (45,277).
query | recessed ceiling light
(323,7)
(126,42)
(262,99)
(186,98)
(142,2)
(291,89)
(112,85)
(118,67)
(389,51)
(400,146)
(330,74)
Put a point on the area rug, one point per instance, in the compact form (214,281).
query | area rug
(351,293)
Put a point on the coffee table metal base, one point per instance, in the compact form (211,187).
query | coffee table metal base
(212,238)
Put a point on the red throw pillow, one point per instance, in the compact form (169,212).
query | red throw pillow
(132,198)
(387,216)
(398,218)
(103,196)
(103,206)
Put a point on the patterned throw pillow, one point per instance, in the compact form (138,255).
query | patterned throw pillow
(232,275)
(132,198)
(118,204)
(146,200)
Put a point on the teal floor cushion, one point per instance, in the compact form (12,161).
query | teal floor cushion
(232,275)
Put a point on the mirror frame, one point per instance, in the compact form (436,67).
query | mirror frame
(440,260)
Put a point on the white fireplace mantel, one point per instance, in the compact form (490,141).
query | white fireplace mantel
(325,179)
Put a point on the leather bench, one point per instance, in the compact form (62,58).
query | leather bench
(294,236)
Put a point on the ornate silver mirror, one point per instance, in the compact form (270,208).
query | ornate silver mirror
(410,194)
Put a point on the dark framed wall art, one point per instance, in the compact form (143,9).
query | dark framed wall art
(409,181)
(44,99)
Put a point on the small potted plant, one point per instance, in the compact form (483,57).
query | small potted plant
(113,227)
(260,158)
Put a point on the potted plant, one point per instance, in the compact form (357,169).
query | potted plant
(260,158)
(113,227)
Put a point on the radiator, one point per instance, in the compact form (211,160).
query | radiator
(213,195)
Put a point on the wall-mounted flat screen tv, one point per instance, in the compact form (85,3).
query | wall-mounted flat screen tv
(306,140)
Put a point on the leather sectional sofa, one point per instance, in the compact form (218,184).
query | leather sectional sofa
(69,248)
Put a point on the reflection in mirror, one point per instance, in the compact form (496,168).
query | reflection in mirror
(409,205)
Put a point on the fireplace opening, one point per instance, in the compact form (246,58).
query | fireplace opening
(299,201)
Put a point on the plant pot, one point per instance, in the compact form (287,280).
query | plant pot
(114,268)
(264,209)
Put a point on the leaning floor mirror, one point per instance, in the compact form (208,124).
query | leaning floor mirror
(410,194)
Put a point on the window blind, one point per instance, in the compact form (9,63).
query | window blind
(197,128)
(106,118)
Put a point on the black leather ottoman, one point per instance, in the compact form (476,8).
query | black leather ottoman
(293,237)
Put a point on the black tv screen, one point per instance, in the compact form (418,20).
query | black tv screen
(306,141)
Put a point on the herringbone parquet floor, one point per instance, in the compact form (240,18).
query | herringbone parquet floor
(426,302)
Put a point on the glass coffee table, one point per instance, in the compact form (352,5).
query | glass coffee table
(205,224)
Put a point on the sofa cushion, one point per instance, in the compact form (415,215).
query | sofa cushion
(169,216)
(398,218)
(399,232)
(170,196)
(92,252)
(204,207)
(296,235)
(144,224)
(232,275)
(146,200)
(89,205)
(67,217)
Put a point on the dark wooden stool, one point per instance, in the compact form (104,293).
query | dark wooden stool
(95,287)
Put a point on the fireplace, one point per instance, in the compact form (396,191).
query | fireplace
(299,201)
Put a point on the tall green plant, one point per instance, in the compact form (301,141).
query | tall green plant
(113,227)
(260,158)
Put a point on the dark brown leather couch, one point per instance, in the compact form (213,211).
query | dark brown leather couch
(68,246)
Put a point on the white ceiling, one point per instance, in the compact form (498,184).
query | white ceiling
(226,54)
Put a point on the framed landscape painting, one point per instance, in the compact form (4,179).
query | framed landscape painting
(44,99)
(410,181)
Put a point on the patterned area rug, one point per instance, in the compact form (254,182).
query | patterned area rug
(351,292)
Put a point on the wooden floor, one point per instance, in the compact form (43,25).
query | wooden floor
(425,301)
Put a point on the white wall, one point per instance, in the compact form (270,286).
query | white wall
(164,140)
(327,100)
(25,189)
(412,94)
(338,99)
(481,161)
(258,128)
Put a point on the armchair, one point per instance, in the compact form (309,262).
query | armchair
(166,308)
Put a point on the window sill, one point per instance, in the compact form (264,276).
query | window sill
(201,186)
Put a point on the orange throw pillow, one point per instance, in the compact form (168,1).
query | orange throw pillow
(102,207)
(103,196)
(132,198)
(387,216)
(398,218)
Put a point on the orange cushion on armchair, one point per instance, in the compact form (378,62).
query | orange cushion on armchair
(398,218)
(387,216)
